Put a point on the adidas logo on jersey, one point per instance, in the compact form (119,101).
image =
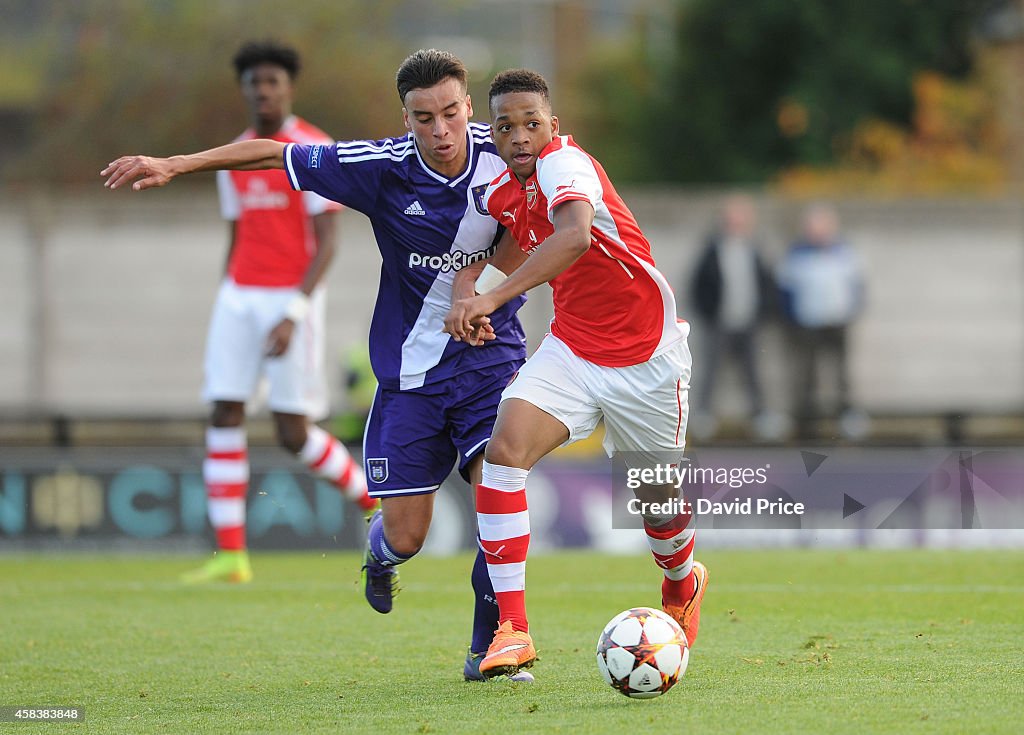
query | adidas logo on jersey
(415,208)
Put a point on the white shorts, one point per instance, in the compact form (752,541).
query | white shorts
(644,406)
(236,346)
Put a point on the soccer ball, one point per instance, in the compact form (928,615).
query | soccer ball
(642,653)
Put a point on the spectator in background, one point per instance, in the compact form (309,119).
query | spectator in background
(731,289)
(822,289)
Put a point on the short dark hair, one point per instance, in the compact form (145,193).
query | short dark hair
(518,80)
(428,67)
(254,53)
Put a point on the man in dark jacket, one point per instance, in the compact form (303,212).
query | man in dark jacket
(730,289)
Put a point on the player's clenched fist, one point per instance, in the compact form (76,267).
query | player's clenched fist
(146,172)
(466,318)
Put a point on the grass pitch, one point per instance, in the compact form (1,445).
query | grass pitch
(790,642)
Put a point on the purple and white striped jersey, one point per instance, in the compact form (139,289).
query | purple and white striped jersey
(427,227)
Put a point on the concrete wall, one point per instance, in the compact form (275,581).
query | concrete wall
(105,298)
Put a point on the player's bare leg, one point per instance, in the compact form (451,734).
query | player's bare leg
(406,521)
(226,474)
(325,457)
(227,414)
(522,435)
(291,431)
(396,533)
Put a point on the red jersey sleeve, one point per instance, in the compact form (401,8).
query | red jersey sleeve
(567,173)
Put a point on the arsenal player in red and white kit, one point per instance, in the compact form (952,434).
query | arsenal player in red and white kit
(616,351)
(268,320)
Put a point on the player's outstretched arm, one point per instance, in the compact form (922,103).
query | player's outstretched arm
(147,172)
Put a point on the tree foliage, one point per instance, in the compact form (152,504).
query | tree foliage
(735,91)
(953,145)
(761,85)
(156,77)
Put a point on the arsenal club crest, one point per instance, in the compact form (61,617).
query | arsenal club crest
(531,194)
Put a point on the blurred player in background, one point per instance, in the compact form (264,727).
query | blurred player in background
(268,319)
(437,398)
(616,350)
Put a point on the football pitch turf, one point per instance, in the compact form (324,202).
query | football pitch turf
(790,642)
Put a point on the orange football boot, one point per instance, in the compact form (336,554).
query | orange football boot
(688,614)
(510,651)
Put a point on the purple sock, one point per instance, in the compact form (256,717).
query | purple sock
(485,614)
(379,548)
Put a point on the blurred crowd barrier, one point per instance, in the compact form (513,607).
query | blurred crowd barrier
(106,297)
(153,499)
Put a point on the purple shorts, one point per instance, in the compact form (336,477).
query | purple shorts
(414,437)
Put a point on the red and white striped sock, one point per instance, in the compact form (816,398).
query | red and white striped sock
(226,474)
(504,524)
(328,458)
(672,546)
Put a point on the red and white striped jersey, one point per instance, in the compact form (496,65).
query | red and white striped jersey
(612,306)
(274,238)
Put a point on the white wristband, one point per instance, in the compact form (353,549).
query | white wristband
(297,308)
(489,279)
